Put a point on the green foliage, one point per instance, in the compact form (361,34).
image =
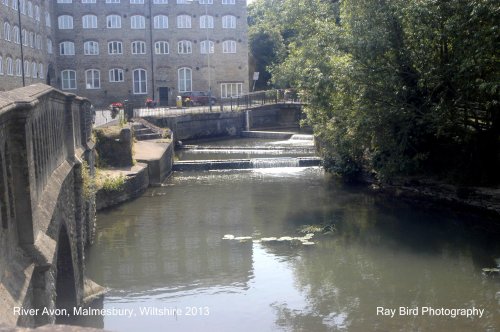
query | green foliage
(89,185)
(395,87)
(108,182)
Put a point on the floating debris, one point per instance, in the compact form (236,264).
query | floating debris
(325,229)
(304,240)
(489,271)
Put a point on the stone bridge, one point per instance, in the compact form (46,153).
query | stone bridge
(47,209)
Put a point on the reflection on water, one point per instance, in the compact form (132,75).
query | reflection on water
(165,250)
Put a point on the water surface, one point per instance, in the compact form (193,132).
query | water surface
(165,250)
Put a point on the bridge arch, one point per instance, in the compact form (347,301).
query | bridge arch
(66,294)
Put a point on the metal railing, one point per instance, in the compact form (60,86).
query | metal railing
(231,104)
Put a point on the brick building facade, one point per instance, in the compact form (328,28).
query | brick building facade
(115,50)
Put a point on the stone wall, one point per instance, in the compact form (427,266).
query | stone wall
(45,219)
(275,116)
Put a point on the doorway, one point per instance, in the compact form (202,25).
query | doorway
(163,93)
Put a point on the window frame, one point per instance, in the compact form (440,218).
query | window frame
(183,80)
(65,22)
(119,47)
(90,45)
(71,47)
(89,21)
(137,22)
(138,45)
(140,85)
(68,80)
(119,72)
(95,76)
(163,43)
(184,45)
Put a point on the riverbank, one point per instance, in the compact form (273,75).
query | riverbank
(482,200)
(154,161)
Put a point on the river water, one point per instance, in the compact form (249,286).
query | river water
(171,250)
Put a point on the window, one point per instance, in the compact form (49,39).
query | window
(25,36)
(206,2)
(229,46)
(67,48)
(49,46)
(13,4)
(185,79)
(19,68)
(89,21)
(112,1)
(184,47)
(6,31)
(30,9)
(68,79)
(92,79)
(32,39)
(1,65)
(228,2)
(16,34)
(48,23)
(27,69)
(38,42)
(138,47)
(113,21)
(40,70)
(206,22)
(10,67)
(22,5)
(229,22)
(161,22)
(37,13)
(34,70)
(116,75)
(136,2)
(206,46)
(183,1)
(231,90)
(64,1)
(160,2)
(88,1)
(161,47)
(115,47)
(184,21)
(137,22)
(65,22)
(139,78)
(91,48)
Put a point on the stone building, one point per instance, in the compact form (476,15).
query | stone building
(116,50)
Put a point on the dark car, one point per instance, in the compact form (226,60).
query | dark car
(194,98)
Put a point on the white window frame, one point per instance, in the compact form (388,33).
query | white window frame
(160,22)
(49,46)
(41,73)
(34,70)
(116,75)
(91,47)
(136,2)
(30,9)
(68,79)
(89,21)
(92,79)
(162,47)
(19,68)
(206,22)
(138,47)
(183,21)
(137,22)
(27,67)
(64,1)
(1,65)
(229,46)
(184,47)
(67,48)
(115,47)
(229,22)
(235,90)
(140,82)
(160,2)
(112,1)
(37,13)
(10,67)
(13,4)
(113,21)
(6,31)
(48,22)
(185,79)
(22,6)
(16,34)
(203,47)
(206,2)
(65,22)
(88,1)
(228,2)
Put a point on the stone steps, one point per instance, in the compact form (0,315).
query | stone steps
(142,133)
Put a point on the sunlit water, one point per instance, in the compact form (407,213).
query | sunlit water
(166,250)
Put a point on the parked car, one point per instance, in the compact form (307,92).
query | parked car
(195,98)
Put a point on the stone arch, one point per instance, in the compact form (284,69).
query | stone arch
(65,277)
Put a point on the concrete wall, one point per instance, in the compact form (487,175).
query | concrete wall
(46,221)
(275,116)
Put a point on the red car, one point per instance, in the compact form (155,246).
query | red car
(195,98)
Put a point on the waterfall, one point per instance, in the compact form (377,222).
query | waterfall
(301,137)
(274,162)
